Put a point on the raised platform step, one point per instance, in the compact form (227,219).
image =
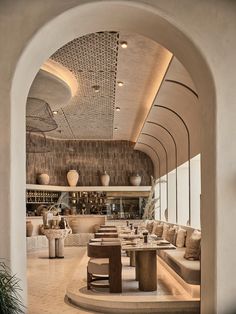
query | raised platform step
(170,296)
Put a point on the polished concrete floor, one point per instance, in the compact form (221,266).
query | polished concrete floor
(49,279)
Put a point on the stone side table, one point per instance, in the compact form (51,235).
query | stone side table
(56,241)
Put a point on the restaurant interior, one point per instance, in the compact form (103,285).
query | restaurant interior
(118,211)
(113,167)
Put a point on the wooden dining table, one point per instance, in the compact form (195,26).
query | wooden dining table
(106,235)
(146,262)
(107,230)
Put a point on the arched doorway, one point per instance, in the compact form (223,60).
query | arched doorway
(91,17)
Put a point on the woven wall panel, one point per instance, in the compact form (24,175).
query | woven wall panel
(90,158)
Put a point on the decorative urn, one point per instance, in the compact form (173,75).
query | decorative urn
(105,179)
(135,180)
(72,177)
(43,178)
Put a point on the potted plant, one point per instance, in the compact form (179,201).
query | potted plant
(10,300)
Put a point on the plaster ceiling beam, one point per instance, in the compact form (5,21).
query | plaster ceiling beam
(54,84)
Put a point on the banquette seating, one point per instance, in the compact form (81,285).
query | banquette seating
(186,265)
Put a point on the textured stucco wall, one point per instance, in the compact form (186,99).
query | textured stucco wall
(90,158)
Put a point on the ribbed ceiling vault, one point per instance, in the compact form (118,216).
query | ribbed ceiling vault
(175,111)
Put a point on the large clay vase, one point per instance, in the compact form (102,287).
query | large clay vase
(105,179)
(43,178)
(74,224)
(135,180)
(29,228)
(72,177)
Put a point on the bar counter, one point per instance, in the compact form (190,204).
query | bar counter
(78,223)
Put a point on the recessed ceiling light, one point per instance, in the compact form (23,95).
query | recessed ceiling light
(117,108)
(115,129)
(120,83)
(124,44)
(55,112)
(96,88)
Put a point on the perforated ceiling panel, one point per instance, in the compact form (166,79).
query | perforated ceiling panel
(93,61)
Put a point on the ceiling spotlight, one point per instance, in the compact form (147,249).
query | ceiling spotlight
(117,108)
(55,112)
(120,83)
(115,129)
(124,44)
(96,88)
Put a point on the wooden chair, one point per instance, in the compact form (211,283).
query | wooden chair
(105,263)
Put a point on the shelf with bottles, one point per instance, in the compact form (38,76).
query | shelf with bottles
(87,199)
(41,197)
(96,206)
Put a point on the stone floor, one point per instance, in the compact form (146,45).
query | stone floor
(48,280)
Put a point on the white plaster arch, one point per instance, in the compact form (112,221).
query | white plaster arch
(85,18)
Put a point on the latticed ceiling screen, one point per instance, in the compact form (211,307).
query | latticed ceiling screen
(93,61)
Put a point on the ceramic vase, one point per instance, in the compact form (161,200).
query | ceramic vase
(43,178)
(74,224)
(29,228)
(72,177)
(105,179)
(135,180)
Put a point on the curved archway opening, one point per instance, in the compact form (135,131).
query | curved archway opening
(123,16)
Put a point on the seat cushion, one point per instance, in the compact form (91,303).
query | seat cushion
(186,269)
(98,266)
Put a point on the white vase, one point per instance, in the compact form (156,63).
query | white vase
(72,177)
(105,179)
(43,178)
(135,180)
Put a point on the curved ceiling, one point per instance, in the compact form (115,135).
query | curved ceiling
(174,119)
(50,88)
(99,63)
(157,106)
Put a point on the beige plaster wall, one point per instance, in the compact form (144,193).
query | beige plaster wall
(202,36)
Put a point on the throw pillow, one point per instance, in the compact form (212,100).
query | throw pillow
(155,224)
(180,237)
(159,230)
(170,235)
(193,248)
(165,229)
(149,226)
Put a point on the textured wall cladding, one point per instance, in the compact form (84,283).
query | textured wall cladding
(90,158)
